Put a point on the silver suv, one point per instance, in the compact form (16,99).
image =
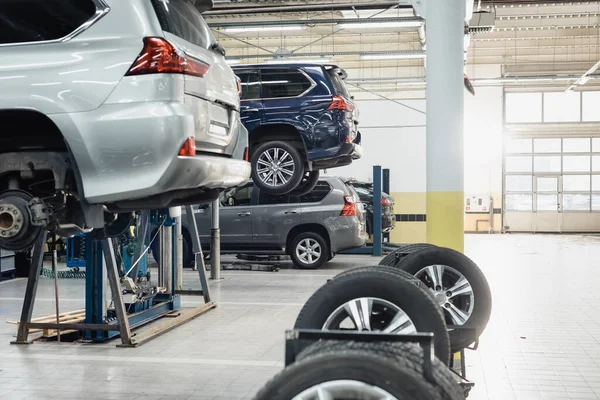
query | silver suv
(309,228)
(111,106)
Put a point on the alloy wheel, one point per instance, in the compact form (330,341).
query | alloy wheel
(344,389)
(308,251)
(452,291)
(275,167)
(370,314)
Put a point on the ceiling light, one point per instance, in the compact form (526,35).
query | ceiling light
(399,56)
(232,61)
(298,61)
(264,28)
(377,25)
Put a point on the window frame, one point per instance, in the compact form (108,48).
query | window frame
(250,71)
(101,10)
(320,181)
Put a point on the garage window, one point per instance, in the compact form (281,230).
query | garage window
(41,20)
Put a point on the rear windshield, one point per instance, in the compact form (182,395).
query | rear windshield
(40,20)
(338,84)
(181,18)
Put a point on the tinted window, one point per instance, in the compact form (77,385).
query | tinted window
(283,83)
(38,20)
(338,84)
(266,198)
(250,85)
(240,196)
(317,194)
(181,18)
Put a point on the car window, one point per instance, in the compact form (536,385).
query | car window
(250,85)
(39,20)
(283,83)
(240,196)
(316,195)
(338,84)
(267,198)
(181,18)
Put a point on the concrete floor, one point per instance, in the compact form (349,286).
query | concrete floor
(542,341)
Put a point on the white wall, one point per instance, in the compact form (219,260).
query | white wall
(393,136)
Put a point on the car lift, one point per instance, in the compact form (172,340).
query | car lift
(379,245)
(146,303)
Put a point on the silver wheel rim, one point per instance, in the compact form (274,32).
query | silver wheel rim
(275,167)
(452,291)
(308,251)
(370,314)
(344,389)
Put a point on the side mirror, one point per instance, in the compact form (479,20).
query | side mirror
(231,201)
(469,85)
(203,5)
(218,48)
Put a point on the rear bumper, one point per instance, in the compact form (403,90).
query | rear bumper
(346,233)
(347,153)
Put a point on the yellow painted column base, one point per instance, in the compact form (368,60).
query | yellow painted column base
(445,219)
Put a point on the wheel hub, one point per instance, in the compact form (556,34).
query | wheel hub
(11,220)
(441,298)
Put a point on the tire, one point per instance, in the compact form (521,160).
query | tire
(395,256)
(307,184)
(390,295)
(478,303)
(303,240)
(392,270)
(345,367)
(409,355)
(269,149)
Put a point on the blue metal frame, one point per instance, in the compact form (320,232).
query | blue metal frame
(376,248)
(72,261)
(159,305)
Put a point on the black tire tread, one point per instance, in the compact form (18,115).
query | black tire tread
(398,254)
(323,294)
(411,382)
(408,355)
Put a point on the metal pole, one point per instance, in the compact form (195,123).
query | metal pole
(179,269)
(166,257)
(445,122)
(197,249)
(377,210)
(31,289)
(115,289)
(55,273)
(215,242)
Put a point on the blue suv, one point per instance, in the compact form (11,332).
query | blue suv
(300,120)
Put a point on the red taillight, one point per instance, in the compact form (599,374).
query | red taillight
(246,154)
(338,103)
(161,57)
(349,209)
(385,202)
(189,148)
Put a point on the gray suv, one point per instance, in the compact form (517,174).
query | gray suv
(111,106)
(310,228)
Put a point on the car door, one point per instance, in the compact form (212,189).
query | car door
(236,214)
(251,110)
(273,218)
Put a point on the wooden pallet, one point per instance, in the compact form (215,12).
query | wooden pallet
(71,317)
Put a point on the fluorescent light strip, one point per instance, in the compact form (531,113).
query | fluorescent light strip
(377,25)
(233,61)
(406,56)
(265,28)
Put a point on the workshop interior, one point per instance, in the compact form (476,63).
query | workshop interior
(299,199)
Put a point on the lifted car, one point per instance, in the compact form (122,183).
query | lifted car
(301,119)
(107,107)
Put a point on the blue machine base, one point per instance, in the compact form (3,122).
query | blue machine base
(155,308)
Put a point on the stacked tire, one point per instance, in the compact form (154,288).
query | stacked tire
(456,283)
(373,299)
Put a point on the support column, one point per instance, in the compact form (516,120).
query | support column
(445,120)
(215,242)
